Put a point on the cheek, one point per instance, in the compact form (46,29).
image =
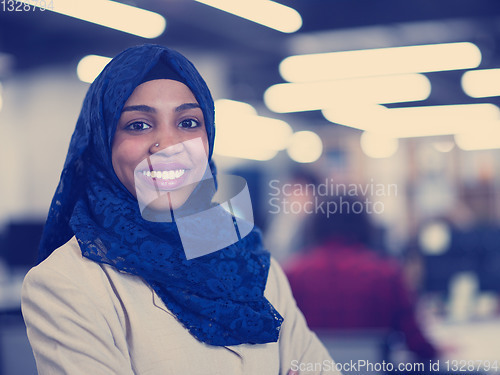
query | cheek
(204,150)
(206,146)
(199,152)
(125,155)
(116,159)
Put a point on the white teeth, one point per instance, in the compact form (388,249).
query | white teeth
(165,175)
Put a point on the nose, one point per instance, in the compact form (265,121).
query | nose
(167,143)
(168,150)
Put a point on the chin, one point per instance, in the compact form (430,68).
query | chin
(160,208)
(171,201)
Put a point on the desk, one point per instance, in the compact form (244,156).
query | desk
(470,340)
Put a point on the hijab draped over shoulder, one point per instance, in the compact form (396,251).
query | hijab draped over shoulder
(218,297)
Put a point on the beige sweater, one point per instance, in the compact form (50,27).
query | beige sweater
(87,318)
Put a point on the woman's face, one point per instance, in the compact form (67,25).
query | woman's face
(163,112)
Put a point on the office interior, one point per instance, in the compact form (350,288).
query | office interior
(396,102)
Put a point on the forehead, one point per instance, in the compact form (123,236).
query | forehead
(161,91)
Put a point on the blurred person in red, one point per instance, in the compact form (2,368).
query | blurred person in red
(341,283)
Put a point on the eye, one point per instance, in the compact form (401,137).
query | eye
(189,124)
(138,126)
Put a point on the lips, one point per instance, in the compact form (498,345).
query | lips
(163,176)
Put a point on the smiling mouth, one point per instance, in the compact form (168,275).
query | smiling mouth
(165,175)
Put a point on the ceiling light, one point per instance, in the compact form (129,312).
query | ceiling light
(232,108)
(486,139)
(378,146)
(242,133)
(414,121)
(265,12)
(305,147)
(357,115)
(245,152)
(110,14)
(90,66)
(440,120)
(435,238)
(261,132)
(443,146)
(382,61)
(294,97)
(481,83)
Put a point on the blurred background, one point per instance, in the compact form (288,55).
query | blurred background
(393,102)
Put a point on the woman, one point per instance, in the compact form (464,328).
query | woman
(115,292)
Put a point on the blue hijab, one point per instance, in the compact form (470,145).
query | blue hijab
(218,297)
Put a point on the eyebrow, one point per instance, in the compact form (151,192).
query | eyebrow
(186,106)
(140,108)
(148,109)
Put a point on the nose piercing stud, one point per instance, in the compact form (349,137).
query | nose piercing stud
(157,145)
